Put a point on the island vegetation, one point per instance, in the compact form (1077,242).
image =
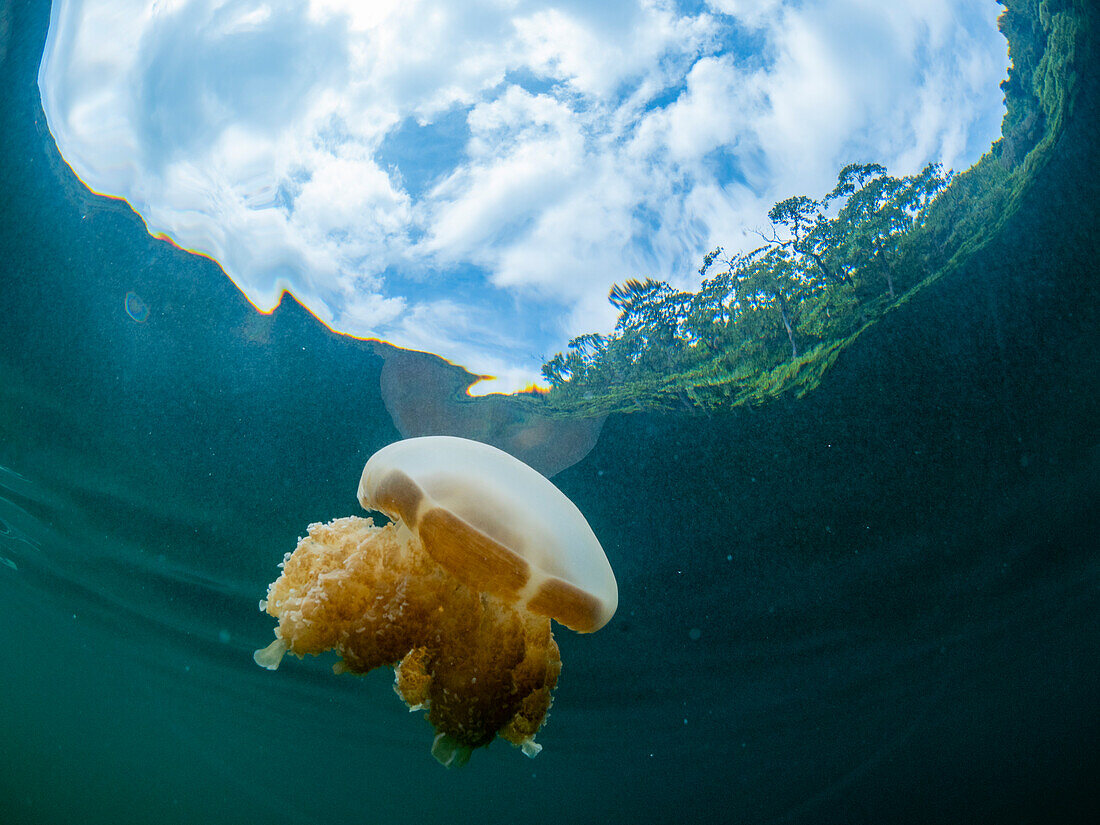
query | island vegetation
(771,321)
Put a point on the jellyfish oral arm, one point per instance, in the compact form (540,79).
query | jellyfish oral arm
(481,668)
(269,657)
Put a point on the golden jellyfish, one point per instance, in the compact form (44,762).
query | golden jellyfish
(456,593)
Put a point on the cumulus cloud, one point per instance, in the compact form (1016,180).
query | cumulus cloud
(471,178)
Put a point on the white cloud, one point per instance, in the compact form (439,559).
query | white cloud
(710,113)
(523,153)
(350,205)
(471,178)
(365,310)
(748,12)
(595,48)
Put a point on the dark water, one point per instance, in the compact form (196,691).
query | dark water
(876,604)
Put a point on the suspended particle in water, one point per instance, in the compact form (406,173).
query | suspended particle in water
(136,308)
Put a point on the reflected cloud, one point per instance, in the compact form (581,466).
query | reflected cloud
(497,165)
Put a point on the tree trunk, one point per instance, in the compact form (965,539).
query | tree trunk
(884,267)
(787,325)
(828,273)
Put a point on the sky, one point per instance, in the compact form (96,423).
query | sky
(470,178)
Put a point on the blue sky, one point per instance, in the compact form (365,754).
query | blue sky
(469,178)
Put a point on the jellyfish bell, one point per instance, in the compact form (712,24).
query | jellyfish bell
(496,524)
(456,593)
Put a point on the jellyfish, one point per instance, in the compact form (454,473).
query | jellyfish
(456,592)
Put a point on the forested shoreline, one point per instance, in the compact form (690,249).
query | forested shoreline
(772,321)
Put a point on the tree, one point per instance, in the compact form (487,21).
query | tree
(650,321)
(583,362)
(810,232)
(879,212)
(826,268)
(774,281)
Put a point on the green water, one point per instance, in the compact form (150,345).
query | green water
(876,604)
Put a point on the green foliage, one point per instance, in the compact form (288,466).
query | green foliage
(772,321)
(824,269)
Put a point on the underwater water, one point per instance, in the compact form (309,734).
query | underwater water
(877,603)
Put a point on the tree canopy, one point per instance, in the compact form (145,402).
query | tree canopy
(824,266)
